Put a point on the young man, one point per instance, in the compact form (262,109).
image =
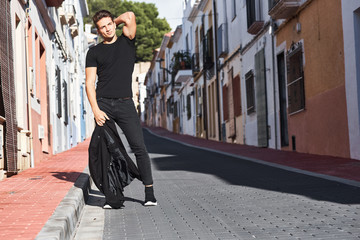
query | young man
(113,62)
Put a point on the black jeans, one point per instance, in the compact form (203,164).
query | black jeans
(123,112)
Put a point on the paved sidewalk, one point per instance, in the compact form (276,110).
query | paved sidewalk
(29,199)
(344,170)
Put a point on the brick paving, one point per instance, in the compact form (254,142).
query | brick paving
(28,199)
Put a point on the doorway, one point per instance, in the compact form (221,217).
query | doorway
(282,100)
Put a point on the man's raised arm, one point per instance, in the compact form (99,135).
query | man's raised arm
(129,20)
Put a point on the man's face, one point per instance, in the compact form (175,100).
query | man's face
(106,27)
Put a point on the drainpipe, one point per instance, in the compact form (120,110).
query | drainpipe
(272,26)
(217,70)
(205,105)
(29,134)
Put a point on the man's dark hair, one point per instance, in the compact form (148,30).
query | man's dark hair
(101,14)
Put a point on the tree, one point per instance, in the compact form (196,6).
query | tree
(150,28)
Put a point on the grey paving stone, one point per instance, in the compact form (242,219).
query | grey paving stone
(204,195)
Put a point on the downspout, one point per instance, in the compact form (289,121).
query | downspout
(217,71)
(272,27)
(29,134)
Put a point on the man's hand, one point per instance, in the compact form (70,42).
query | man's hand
(129,20)
(100,117)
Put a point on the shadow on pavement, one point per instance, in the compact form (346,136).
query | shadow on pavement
(68,176)
(128,199)
(171,156)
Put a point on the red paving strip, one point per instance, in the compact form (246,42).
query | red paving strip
(333,166)
(28,199)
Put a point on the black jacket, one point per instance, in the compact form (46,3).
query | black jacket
(110,166)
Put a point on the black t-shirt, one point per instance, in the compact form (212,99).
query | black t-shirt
(115,65)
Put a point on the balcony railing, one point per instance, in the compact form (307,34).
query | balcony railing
(283,9)
(208,51)
(195,63)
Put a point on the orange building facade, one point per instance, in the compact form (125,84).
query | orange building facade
(317,121)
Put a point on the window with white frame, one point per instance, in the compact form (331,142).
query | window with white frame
(233,9)
(295,79)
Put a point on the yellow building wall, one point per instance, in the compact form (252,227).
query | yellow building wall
(322,127)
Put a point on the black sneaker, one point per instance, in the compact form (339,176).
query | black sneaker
(150,199)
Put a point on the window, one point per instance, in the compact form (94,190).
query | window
(187,42)
(170,105)
(199,107)
(250,92)
(188,106)
(254,16)
(66,112)
(162,103)
(222,40)
(295,81)
(225,103)
(208,50)
(58,92)
(233,9)
(176,111)
(236,95)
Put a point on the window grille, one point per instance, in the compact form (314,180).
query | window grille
(250,92)
(295,81)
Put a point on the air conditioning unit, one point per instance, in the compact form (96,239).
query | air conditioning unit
(41,131)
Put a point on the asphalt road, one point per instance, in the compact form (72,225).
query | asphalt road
(207,195)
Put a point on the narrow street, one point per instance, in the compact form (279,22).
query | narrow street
(207,195)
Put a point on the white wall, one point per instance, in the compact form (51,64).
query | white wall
(352,71)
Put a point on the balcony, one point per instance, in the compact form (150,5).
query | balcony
(183,76)
(53,3)
(194,11)
(181,61)
(283,9)
(255,27)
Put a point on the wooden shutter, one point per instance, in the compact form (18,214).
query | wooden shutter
(261,103)
(236,95)
(225,103)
